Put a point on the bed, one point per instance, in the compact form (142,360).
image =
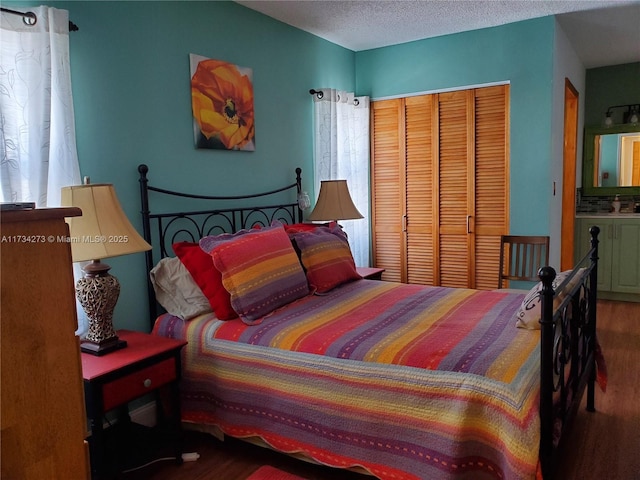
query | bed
(394,380)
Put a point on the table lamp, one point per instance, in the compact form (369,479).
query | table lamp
(334,203)
(102,231)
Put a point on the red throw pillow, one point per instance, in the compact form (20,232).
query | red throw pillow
(207,277)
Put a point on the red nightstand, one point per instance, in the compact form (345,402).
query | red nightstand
(370,273)
(147,365)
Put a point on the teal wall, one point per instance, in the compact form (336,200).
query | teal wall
(131,86)
(130,74)
(519,53)
(609,159)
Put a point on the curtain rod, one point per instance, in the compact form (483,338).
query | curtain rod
(30,18)
(320,94)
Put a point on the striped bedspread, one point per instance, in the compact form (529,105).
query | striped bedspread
(405,381)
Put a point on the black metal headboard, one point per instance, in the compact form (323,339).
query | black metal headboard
(161,230)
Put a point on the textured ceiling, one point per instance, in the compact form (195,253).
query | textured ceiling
(603,32)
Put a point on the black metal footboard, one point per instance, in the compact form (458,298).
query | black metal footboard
(568,348)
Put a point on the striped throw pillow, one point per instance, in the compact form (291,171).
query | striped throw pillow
(260,270)
(326,257)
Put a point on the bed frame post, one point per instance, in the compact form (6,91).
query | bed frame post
(299,191)
(591,320)
(146,233)
(547,333)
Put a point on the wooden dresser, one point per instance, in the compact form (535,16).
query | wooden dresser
(43,421)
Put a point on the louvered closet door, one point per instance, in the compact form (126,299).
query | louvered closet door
(387,178)
(491,181)
(419,239)
(440,187)
(455,188)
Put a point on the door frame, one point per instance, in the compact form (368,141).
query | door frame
(569,165)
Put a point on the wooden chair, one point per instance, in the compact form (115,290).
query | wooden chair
(521,257)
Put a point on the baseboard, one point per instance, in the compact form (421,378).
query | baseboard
(144,414)
(620,297)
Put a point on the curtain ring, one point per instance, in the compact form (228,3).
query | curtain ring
(29,18)
(317,93)
(356,102)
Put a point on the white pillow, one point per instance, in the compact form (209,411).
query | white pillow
(528,315)
(176,290)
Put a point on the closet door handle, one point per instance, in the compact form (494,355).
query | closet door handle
(404,223)
(468,223)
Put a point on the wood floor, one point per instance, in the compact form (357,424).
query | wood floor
(606,443)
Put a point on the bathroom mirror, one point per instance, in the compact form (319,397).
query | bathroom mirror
(611,160)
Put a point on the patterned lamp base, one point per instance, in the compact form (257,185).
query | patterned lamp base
(98,293)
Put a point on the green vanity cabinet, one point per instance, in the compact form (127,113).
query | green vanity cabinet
(625,269)
(604,247)
(619,252)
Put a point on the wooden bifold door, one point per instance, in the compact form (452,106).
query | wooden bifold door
(440,193)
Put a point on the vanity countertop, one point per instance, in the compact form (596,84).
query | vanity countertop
(608,215)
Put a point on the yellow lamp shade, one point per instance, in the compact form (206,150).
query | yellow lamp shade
(334,203)
(103,230)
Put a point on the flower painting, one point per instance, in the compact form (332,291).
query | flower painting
(222,104)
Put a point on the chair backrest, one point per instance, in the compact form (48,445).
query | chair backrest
(521,257)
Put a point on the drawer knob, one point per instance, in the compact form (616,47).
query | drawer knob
(147,383)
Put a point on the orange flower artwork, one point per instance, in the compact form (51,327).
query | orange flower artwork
(222,104)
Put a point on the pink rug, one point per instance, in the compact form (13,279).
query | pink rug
(267,472)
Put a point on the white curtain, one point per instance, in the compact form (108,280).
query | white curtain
(36,109)
(37,134)
(341,143)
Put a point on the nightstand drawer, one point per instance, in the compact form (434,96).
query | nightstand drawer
(136,384)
